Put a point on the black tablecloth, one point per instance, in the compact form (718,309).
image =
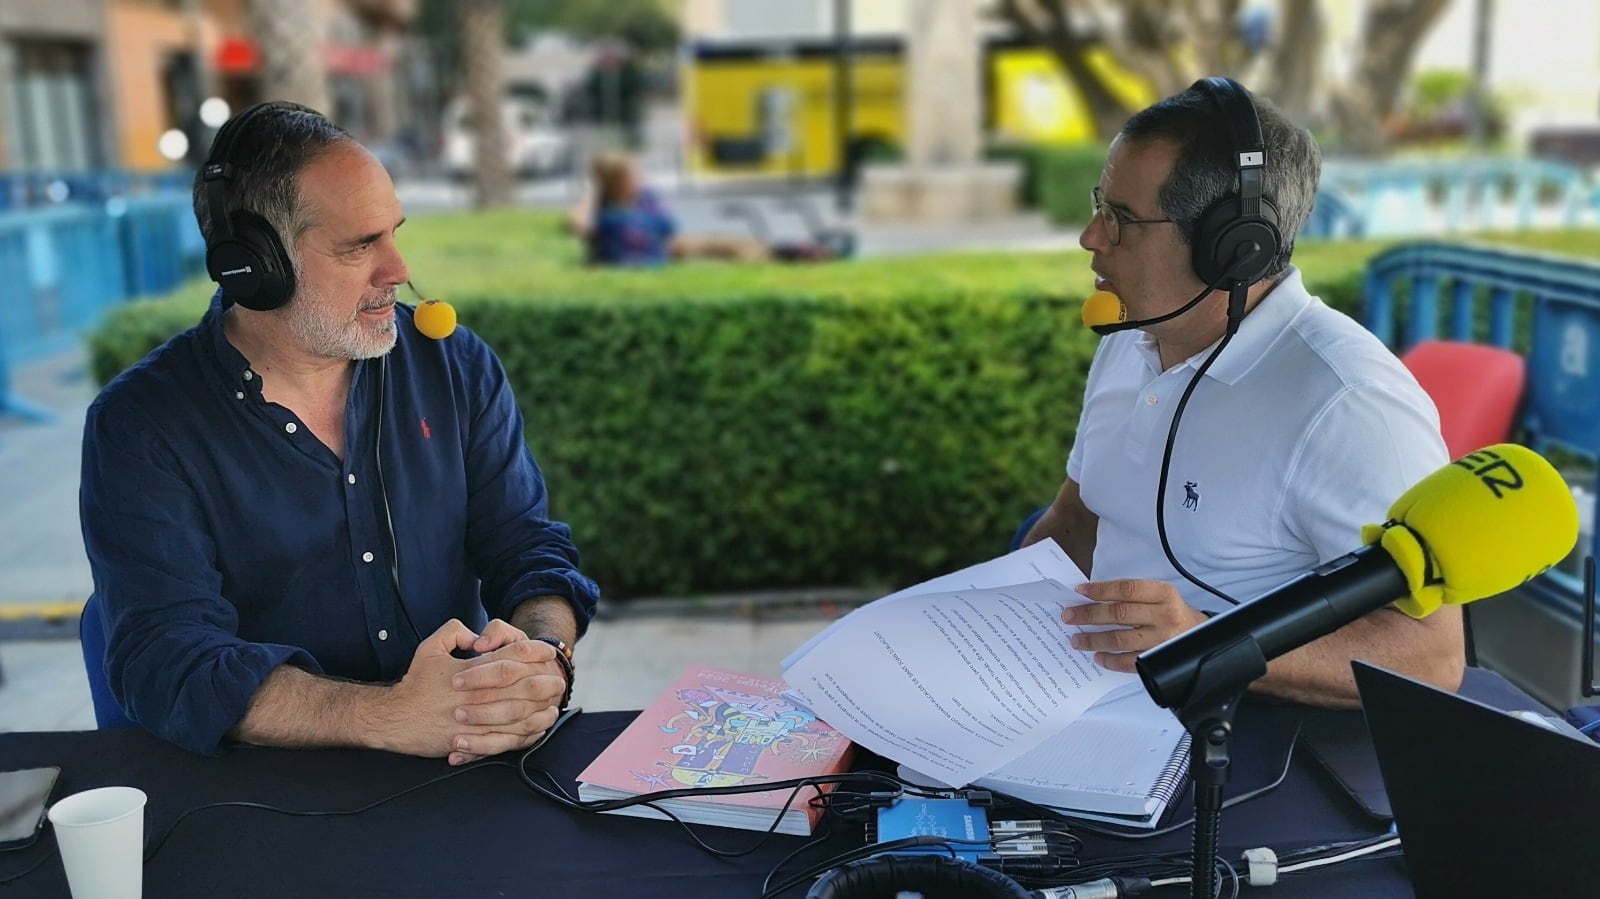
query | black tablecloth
(483,834)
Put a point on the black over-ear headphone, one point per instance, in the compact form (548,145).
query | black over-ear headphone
(244,254)
(1237,239)
(934,876)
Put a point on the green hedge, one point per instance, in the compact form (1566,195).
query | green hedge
(714,427)
(789,440)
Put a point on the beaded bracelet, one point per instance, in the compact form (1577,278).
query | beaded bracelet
(564,659)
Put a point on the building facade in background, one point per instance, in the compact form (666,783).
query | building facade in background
(94,84)
(53,99)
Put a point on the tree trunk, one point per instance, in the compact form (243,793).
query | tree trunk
(289,34)
(1297,58)
(482,45)
(1218,50)
(1145,42)
(1389,38)
(1049,22)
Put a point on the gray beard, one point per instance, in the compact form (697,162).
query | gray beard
(336,339)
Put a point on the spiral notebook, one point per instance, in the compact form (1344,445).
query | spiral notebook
(1122,762)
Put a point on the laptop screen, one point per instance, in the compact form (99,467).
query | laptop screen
(1486,803)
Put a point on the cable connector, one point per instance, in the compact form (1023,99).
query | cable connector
(978,798)
(1104,888)
(1262,866)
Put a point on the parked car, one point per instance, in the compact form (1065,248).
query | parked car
(534,146)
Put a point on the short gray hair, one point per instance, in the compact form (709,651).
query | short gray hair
(1205,170)
(268,156)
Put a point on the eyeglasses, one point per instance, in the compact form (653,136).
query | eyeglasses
(1113,220)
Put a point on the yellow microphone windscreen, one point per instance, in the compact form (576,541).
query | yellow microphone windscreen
(1478,527)
(1103,308)
(435,318)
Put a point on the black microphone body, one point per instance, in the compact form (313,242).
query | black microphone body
(1310,606)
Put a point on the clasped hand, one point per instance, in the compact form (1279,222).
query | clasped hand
(1143,613)
(502,700)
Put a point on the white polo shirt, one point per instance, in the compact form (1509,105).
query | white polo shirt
(1305,429)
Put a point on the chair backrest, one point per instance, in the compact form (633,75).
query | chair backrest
(1477,389)
(108,712)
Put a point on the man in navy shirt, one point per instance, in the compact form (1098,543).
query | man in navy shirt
(311,525)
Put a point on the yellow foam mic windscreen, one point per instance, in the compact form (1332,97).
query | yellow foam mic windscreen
(1103,308)
(435,318)
(1478,527)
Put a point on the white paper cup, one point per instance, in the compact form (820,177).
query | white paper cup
(101,836)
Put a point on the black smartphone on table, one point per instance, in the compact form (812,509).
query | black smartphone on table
(24,799)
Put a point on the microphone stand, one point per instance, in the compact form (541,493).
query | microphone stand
(1586,681)
(1207,714)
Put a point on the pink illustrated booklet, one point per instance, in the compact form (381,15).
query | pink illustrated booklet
(716,728)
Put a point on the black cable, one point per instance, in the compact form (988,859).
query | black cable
(383,492)
(949,844)
(1324,850)
(1288,760)
(554,791)
(817,840)
(1166,466)
(155,846)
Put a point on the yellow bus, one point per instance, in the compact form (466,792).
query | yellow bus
(767,107)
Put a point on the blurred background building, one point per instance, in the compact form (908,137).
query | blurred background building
(53,56)
(96,84)
(757,86)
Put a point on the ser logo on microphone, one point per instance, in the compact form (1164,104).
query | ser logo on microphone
(1491,468)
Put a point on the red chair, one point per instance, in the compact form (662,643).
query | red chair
(1476,388)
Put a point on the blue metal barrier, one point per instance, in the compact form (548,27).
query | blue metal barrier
(62,267)
(159,241)
(22,190)
(1545,307)
(1447,196)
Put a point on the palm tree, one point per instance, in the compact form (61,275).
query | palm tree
(290,35)
(483,29)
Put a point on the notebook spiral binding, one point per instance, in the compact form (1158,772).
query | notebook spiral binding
(1174,774)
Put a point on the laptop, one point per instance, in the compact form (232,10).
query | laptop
(1486,803)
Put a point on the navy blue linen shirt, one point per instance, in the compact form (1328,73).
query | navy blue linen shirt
(226,539)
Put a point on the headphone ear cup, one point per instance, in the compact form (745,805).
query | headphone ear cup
(1222,232)
(253,266)
(933,876)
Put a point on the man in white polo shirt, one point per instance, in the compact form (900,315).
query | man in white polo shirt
(1304,428)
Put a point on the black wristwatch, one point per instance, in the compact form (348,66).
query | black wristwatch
(564,659)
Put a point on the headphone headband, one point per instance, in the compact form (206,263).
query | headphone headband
(218,170)
(1236,239)
(1249,146)
(243,253)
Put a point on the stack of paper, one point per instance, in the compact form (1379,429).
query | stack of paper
(969,678)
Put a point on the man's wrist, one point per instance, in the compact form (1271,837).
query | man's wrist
(376,712)
(564,659)
(548,615)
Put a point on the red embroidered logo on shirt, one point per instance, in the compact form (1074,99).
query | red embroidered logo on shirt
(427,434)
